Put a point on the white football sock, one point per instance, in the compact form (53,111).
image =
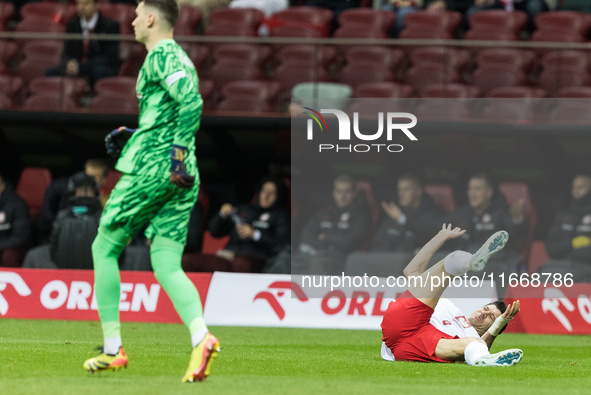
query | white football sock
(457,263)
(474,351)
(112,345)
(198,337)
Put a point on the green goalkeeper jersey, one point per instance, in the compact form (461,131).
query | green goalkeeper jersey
(170,112)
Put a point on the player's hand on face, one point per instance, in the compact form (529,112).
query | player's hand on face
(451,233)
(245,231)
(392,210)
(511,311)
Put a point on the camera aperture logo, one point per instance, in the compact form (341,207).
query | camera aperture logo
(373,142)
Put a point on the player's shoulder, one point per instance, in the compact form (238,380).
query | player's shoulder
(446,304)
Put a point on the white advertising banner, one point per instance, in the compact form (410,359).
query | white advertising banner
(276,301)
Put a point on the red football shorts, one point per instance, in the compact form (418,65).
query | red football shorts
(406,330)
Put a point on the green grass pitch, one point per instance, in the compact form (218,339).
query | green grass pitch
(45,357)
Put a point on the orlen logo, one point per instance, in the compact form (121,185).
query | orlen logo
(554,299)
(344,132)
(280,287)
(20,286)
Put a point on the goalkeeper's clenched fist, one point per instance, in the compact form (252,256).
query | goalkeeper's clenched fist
(178,169)
(115,141)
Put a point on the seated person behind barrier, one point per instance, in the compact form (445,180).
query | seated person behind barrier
(15,225)
(405,227)
(569,238)
(257,232)
(87,58)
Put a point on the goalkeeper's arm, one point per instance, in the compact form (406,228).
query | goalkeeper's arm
(116,140)
(500,324)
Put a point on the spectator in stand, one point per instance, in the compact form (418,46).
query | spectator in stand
(530,7)
(269,7)
(15,226)
(257,232)
(487,212)
(569,238)
(575,5)
(406,227)
(87,58)
(60,191)
(334,231)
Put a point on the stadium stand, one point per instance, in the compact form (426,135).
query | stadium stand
(120,12)
(516,92)
(5,102)
(324,55)
(422,75)
(71,88)
(35,66)
(50,101)
(499,21)
(116,85)
(12,87)
(449,90)
(248,53)
(522,59)
(359,72)
(266,91)
(497,75)
(367,18)
(392,58)
(6,13)
(553,79)
(53,11)
(31,186)
(382,90)
(189,21)
(456,58)
(574,92)
(315,18)
(443,196)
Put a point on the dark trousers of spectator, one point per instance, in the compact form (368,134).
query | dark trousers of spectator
(94,74)
(196,262)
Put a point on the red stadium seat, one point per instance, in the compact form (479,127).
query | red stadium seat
(420,33)
(449,90)
(574,92)
(359,31)
(323,55)
(295,31)
(516,92)
(548,35)
(569,58)
(316,18)
(6,13)
(199,55)
(502,20)
(266,91)
(50,101)
(494,76)
(211,244)
(116,85)
(8,50)
(31,186)
(366,189)
(12,87)
(189,21)
(31,68)
(112,180)
(556,78)
(206,90)
(508,110)
(564,20)
(111,103)
(422,75)
(132,55)
(433,20)
(250,18)
(56,12)
(248,53)
(45,48)
(360,72)
(72,88)
(292,73)
(382,90)
(122,13)
(37,25)
(248,105)
(224,72)
(391,58)
(380,19)
(488,35)
(457,59)
(5,102)
(443,196)
(230,30)
(522,59)
(538,255)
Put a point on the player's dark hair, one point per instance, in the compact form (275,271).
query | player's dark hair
(168,8)
(502,306)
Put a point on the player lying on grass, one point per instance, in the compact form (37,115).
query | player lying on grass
(420,326)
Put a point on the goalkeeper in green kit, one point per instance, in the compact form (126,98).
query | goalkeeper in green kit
(159,187)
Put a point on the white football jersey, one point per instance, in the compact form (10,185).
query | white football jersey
(448,318)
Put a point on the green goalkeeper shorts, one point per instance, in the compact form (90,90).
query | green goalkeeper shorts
(138,200)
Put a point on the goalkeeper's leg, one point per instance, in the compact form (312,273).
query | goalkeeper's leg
(166,256)
(106,249)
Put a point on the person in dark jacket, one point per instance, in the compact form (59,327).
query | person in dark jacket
(91,59)
(487,212)
(257,232)
(569,238)
(334,231)
(405,227)
(73,229)
(15,226)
